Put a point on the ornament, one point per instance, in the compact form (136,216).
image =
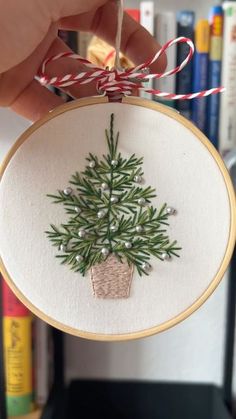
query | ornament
(162,169)
(68,191)
(79,258)
(114,228)
(63,248)
(128,245)
(92,164)
(170,210)
(165,256)
(101,213)
(82,233)
(142,202)
(114,163)
(139,229)
(146,267)
(77,209)
(138,179)
(114,199)
(105,186)
(105,251)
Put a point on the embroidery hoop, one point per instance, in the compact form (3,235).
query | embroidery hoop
(231,240)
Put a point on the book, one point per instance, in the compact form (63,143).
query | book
(200,72)
(165,30)
(83,40)
(103,54)
(70,38)
(134,13)
(185,27)
(3,410)
(147,21)
(214,79)
(41,361)
(227,135)
(17,342)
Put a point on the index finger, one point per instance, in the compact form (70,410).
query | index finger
(136,42)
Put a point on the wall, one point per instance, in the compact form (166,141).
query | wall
(11,126)
(192,351)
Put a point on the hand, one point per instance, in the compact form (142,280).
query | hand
(28,35)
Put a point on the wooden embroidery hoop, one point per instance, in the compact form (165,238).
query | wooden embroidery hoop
(231,241)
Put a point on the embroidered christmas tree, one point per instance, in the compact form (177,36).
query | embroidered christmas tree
(110,215)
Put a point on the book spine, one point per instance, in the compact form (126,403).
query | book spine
(227,136)
(215,63)
(166,29)
(97,47)
(41,362)
(70,39)
(3,410)
(200,72)
(12,307)
(83,41)
(17,340)
(185,27)
(147,21)
(134,13)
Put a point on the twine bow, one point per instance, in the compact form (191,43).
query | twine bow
(123,81)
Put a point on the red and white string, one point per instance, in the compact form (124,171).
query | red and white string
(123,81)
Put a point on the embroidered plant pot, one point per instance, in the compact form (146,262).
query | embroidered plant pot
(111,278)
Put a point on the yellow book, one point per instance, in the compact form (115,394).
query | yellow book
(18,364)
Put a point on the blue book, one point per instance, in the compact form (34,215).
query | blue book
(214,80)
(185,27)
(200,73)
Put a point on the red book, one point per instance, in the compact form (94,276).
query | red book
(12,307)
(134,13)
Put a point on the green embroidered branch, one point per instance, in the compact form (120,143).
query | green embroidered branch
(110,212)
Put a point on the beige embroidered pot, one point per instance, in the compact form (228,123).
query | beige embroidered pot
(111,278)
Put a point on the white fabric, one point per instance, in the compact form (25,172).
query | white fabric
(185,175)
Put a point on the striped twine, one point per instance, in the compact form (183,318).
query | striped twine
(123,81)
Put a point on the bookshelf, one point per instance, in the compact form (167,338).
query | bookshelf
(34,415)
(52,409)
(201,9)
